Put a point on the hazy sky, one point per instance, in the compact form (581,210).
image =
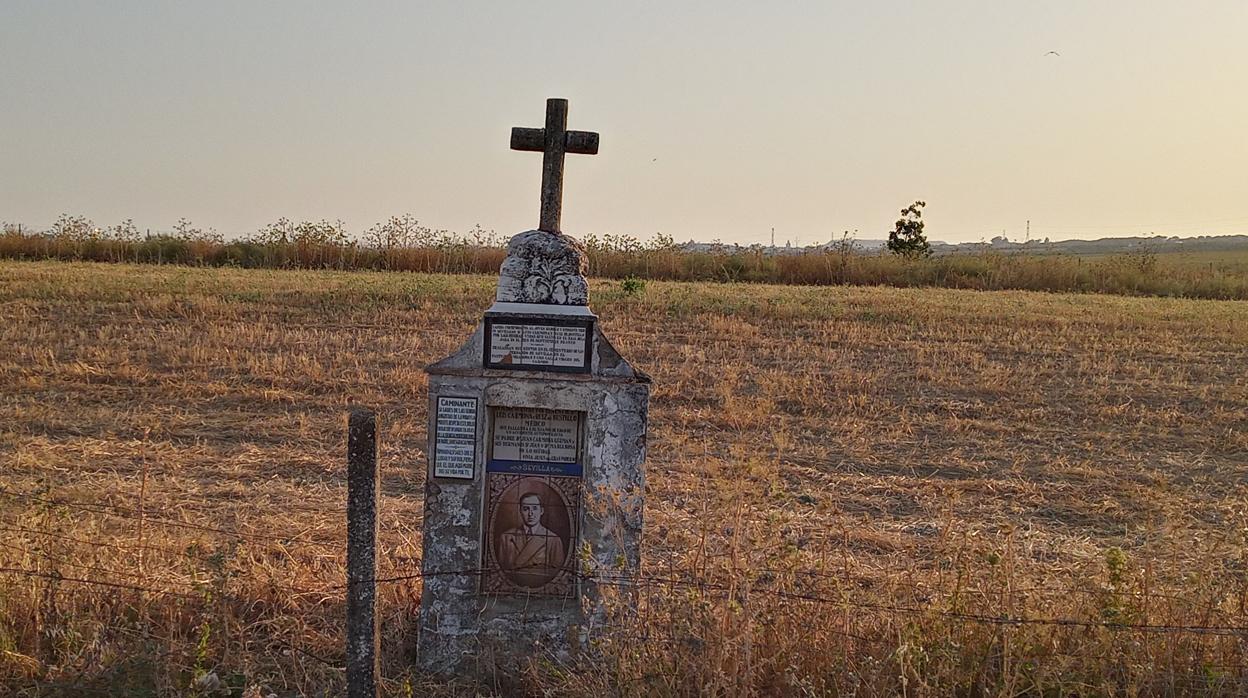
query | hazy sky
(719,120)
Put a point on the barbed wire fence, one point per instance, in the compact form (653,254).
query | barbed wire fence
(718,590)
(788,586)
(93,576)
(703,585)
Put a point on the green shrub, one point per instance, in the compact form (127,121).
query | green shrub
(633,286)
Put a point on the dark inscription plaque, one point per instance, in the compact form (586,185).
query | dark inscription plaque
(538,344)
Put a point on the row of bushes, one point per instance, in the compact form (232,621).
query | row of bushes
(401,244)
(1136,273)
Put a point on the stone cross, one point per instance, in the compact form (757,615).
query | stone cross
(553,142)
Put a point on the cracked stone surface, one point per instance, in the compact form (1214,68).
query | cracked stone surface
(544,267)
(467,633)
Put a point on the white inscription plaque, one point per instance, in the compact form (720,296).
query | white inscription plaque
(546,436)
(455,443)
(537,345)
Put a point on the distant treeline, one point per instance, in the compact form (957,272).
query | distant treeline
(402,244)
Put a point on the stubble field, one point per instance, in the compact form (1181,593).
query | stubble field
(856,491)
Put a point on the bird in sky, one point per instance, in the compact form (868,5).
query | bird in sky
(1053,53)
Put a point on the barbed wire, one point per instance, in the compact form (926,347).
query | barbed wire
(196,595)
(58,577)
(956,615)
(642,581)
(105,544)
(739,591)
(79,565)
(798,573)
(651,632)
(158,517)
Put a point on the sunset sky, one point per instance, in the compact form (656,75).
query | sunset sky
(718,120)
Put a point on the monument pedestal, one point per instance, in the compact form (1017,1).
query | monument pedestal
(537,431)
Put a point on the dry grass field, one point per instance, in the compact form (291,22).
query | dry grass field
(852,490)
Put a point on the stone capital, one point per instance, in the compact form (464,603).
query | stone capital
(544,267)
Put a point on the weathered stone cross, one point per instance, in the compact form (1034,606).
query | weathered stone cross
(553,141)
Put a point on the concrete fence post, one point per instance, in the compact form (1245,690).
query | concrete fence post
(363,482)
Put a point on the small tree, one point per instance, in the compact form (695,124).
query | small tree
(907,236)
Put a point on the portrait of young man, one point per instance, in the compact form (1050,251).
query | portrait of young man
(530,553)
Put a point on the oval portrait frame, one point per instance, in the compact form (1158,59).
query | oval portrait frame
(558,517)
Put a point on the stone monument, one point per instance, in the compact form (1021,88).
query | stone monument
(537,433)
